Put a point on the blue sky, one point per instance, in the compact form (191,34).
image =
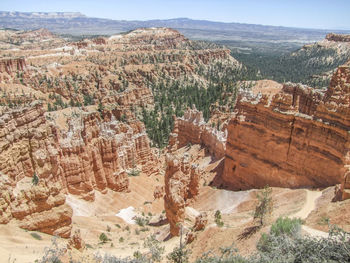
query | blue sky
(328,14)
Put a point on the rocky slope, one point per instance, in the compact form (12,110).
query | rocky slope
(118,69)
(321,59)
(292,137)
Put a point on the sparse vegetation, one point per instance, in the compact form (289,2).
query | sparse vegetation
(155,250)
(265,205)
(53,253)
(36,236)
(134,172)
(103,238)
(35,179)
(286,226)
(179,255)
(218,220)
(141,221)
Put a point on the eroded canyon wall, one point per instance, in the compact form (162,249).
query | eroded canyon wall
(95,153)
(192,129)
(297,137)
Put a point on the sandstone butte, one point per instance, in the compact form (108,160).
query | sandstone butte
(296,137)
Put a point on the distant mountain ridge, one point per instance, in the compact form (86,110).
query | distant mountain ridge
(47,15)
(75,23)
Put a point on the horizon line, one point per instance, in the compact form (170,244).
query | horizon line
(174,18)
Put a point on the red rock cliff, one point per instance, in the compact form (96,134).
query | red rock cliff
(296,138)
(192,128)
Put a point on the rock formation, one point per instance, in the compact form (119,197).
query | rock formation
(38,207)
(191,128)
(338,37)
(42,208)
(64,140)
(201,222)
(158,192)
(12,65)
(98,154)
(297,137)
(181,185)
(76,241)
(94,153)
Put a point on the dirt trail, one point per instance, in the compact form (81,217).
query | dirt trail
(311,197)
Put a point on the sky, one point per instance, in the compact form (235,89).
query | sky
(324,14)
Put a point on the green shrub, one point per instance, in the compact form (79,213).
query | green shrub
(218,220)
(88,246)
(141,221)
(324,220)
(227,254)
(155,250)
(134,172)
(103,238)
(179,255)
(287,226)
(36,236)
(35,179)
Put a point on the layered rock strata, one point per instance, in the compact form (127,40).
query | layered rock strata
(38,207)
(191,128)
(297,137)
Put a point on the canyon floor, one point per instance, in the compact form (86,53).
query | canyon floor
(237,208)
